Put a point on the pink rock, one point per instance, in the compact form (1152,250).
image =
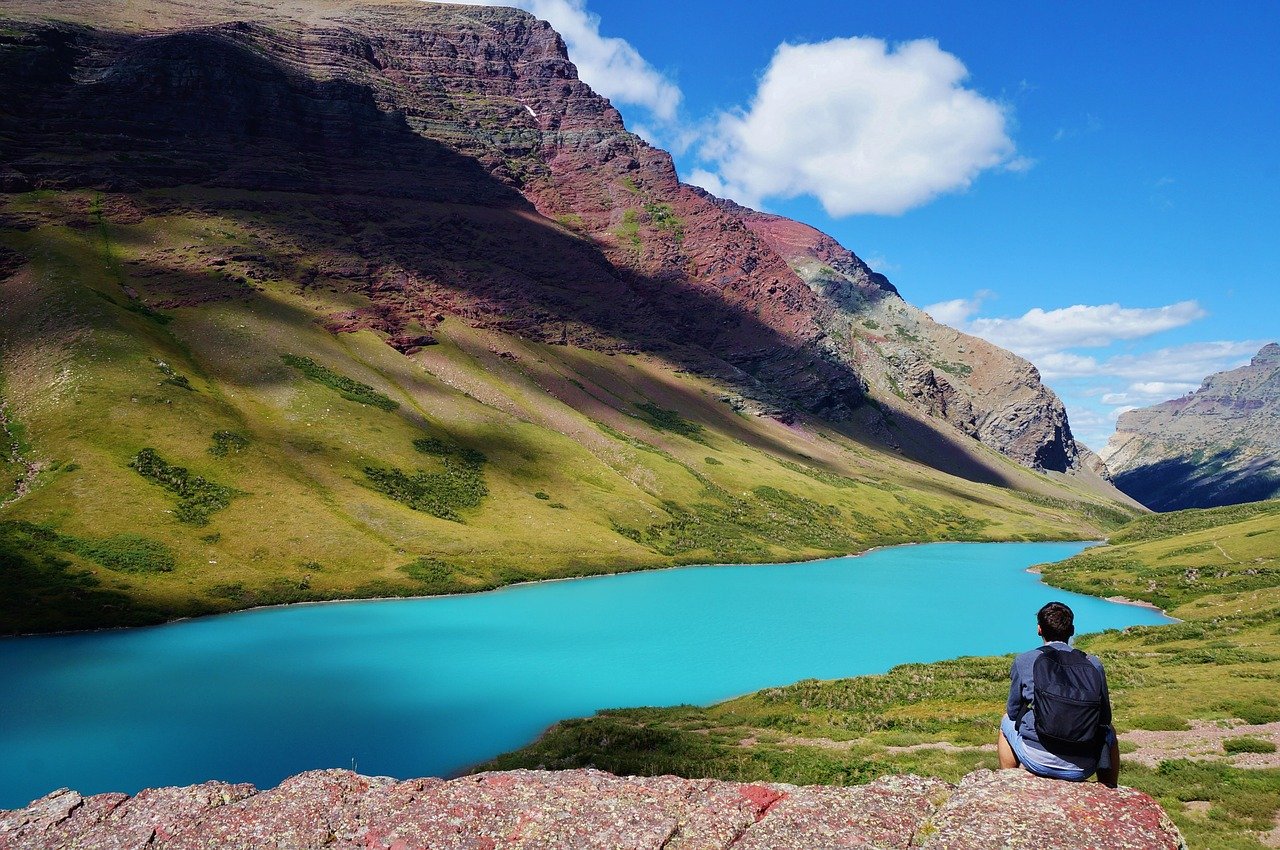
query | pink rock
(592,810)
(1012,808)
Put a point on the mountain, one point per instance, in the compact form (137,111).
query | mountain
(1219,445)
(337,298)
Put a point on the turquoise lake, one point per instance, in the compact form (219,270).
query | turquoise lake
(429,686)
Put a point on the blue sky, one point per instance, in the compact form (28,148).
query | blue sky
(1095,186)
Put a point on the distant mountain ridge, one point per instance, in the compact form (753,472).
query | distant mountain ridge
(1219,445)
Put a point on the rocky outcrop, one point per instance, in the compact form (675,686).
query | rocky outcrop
(588,809)
(1219,445)
(460,168)
(978,388)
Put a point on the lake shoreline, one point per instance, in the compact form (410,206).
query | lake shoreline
(389,684)
(517,584)
(1119,600)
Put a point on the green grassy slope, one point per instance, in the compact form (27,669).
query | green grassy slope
(1220,664)
(206,444)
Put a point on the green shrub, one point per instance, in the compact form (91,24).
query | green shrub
(126,553)
(629,229)
(664,218)
(710,461)
(441,494)
(541,495)
(434,575)
(348,388)
(1248,744)
(276,592)
(669,420)
(172,377)
(40,590)
(1253,711)
(197,497)
(227,442)
(1158,723)
(146,312)
(433,446)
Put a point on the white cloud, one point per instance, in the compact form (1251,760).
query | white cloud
(1185,365)
(1099,387)
(1064,364)
(1149,392)
(705,179)
(611,66)
(1162,389)
(881,263)
(1039,331)
(1154,375)
(958,311)
(1020,164)
(863,127)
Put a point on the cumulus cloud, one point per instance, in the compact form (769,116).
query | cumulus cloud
(1185,365)
(1162,389)
(1039,331)
(1098,386)
(958,311)
(611,66)
(862,126)
(705,179)
(1153,375)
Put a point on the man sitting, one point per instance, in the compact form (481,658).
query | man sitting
(1075,739)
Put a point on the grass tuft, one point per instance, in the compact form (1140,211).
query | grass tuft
(348,388)
(197,497)
(228,442)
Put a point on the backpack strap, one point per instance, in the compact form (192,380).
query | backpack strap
(1027,707)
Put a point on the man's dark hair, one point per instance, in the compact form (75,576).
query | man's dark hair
(1056,622)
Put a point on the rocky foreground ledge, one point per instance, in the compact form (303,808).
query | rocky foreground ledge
(591,810)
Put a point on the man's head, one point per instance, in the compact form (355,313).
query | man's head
(1056,622)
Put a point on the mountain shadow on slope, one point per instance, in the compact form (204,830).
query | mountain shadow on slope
(1201,480)
(204,120)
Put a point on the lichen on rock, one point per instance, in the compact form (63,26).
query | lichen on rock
(593,810)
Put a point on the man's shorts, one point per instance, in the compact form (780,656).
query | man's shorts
(1011,735)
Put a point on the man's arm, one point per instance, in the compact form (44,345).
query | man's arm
(1014,704)
(1106,698)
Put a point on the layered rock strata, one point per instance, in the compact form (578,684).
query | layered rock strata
(588,809)
(1219,445)
(480,178)
(978,388)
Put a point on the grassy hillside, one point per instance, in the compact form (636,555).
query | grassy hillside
(1221,664)
(190,434)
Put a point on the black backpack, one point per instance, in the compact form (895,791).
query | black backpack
(1070,702)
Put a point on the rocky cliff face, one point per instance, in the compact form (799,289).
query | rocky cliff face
(978,388)
(1219,445)
(587,809)
(473,175)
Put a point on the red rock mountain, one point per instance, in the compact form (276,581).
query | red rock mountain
(459,167)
